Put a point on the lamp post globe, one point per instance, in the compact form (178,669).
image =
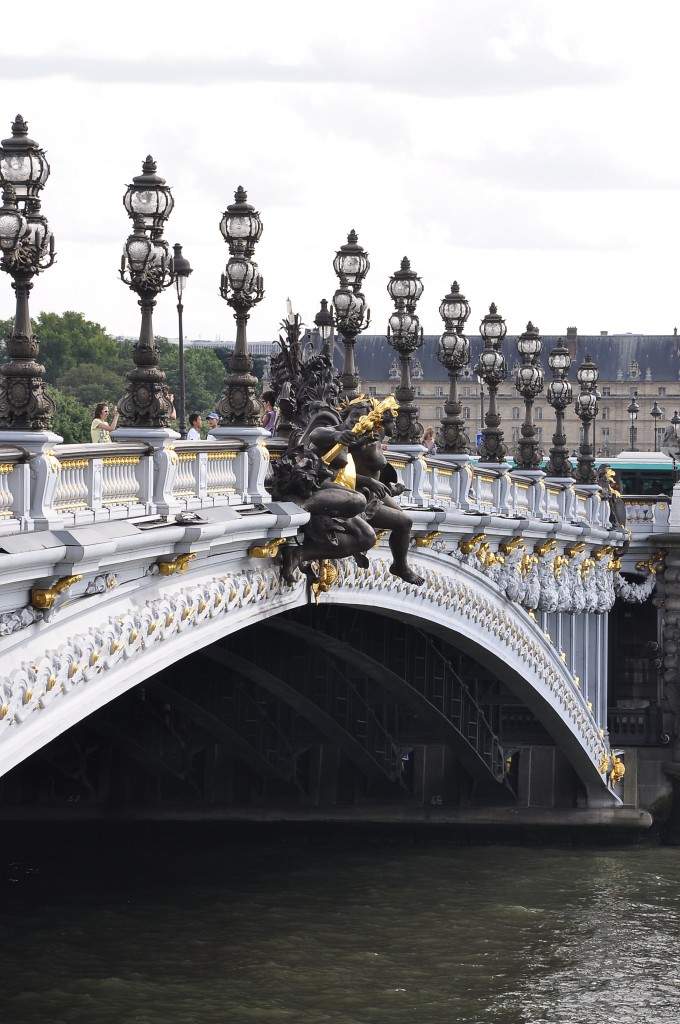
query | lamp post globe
(146,268)
(405,335)
(242,288)
(633,410)
(453,352)
(492,369)
(181,269)
(559,395)
(26,250)
(656,414)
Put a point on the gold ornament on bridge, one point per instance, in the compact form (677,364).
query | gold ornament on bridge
(468,546)
(328,574)
(177,565)
(618,770)
(543,549)
(575,549)
(426,541)
(268,550)
(509,546)
(654,565)
(365,424)
(44,598)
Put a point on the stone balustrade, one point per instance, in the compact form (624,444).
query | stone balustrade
(72,485)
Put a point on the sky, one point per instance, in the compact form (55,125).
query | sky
(529,150)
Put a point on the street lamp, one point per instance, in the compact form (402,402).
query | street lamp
(323,322)
(559,396)
(586,410)
(656,414)
(26,249)
(146,267)
(405,334)
(492,369)
(181,270)
(633,410)
(529,383)
(352,315)
(242,288)
(453,352)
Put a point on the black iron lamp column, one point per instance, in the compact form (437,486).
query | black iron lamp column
(559,394)
(242,288)
(529,382)
(405,334)
(586,410)
(656,414)
(323,322)
(146,268)
(26,249)
(633,410)
(453,352)
(351,314)
(181,270)
(492,368)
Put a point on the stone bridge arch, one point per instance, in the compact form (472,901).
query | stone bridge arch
(60,671)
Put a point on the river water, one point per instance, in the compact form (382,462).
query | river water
(193,924)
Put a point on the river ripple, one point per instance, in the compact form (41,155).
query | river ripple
(185,925)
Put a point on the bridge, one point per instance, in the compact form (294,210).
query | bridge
(153,658)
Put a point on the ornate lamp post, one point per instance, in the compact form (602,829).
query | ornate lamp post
(26,249)
(529,383)
(586,410)
(633,410)
(559,395)
(181,270)
(493,369)
(323,322)
(351,313)
(656,414)
(405,334)
(453,352)
(242,288)
(146,268)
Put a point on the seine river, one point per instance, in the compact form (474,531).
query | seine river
(194,924)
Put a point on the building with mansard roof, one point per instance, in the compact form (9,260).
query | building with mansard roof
(645,366)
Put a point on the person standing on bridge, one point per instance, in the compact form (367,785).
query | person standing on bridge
(100,428)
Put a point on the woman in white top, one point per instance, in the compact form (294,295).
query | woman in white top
(100,429)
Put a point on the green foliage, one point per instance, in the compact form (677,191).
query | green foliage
(203,375)
(91,383)
(69,340)
(72,420)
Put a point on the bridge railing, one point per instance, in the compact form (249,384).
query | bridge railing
(68,485)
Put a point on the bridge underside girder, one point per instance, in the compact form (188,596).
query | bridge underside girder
(323,706)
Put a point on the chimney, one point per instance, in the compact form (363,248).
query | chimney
(603,334)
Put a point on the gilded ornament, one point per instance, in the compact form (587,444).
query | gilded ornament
(268,550)
(509,546)
(177,565)
(467,546)
(543,549)
(44,598)
(426,541)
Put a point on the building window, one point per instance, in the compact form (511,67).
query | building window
(604,412)
(373,391)
(606,392)
(439,392)
(466,412)
(439,413)
(515,412)
(515,435)
(539,433)
(538,412)
(661,392)
(466,392)
(605,435)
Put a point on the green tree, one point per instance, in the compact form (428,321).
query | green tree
(203,375)
(90,383)
(68,340)
(72,420)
